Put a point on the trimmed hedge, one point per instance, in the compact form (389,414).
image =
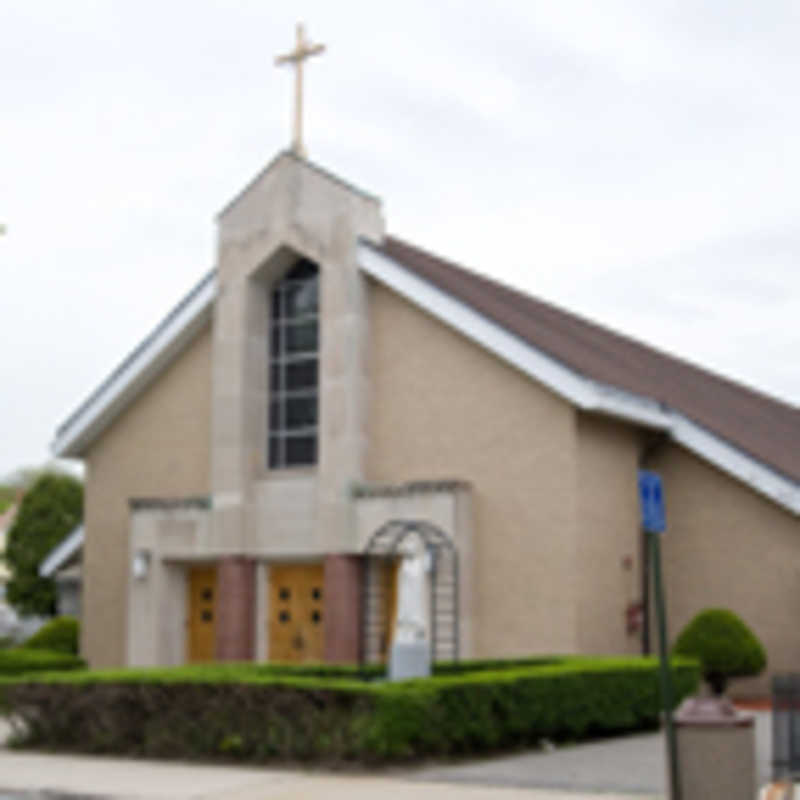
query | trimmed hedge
(59,635)
(370,672)
(248,670)
(251,713)
(23,662)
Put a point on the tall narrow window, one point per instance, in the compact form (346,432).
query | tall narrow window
(294,368)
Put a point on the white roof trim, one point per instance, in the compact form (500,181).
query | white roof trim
(488,334)
(735,462)
(574,387)
(147,360)
(581,391)
(62,553)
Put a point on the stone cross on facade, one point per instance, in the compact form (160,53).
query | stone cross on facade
(303,50)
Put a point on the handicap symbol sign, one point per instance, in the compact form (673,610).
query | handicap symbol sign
(651,501)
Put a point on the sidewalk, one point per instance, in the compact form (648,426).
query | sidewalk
(89,777)
(633,764)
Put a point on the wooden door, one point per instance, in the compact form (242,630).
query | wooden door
(202,614)
(296,623)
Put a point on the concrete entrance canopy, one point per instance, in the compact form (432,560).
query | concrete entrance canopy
(169,536)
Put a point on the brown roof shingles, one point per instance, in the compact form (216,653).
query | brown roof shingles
(764,427)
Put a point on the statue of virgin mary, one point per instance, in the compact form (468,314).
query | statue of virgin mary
(410,624)
(411,652)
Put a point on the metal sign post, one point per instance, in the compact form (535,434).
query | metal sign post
(651,500)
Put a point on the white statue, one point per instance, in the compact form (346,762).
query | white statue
(411,653)
(410,625)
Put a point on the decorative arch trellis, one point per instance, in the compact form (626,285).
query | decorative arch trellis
(381,552)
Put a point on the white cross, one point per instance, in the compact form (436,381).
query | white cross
(302,51)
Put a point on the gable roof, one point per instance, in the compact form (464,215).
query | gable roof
(752,436)
(762,426)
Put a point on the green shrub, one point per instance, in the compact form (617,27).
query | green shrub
(725,647)
(250,712)
(60,635)
(24,662)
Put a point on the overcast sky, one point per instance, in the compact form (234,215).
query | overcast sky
(636,162)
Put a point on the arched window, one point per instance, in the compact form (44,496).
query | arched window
(294,368)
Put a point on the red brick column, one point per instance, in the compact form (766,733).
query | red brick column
(236,609)
(344,576)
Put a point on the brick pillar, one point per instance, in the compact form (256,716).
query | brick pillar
(344,577)
(236,601)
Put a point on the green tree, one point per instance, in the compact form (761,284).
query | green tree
(49,511)
(723,644)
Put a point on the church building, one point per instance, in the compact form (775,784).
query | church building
(253,466)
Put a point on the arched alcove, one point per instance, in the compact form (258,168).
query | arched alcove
(382,553)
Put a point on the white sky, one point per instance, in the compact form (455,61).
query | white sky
(636,162)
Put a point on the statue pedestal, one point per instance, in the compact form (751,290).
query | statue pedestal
(410,660)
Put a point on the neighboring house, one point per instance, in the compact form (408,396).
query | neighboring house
(251,463)
(64,565)
(8,618)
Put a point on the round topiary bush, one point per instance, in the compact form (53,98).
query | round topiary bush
(725,647)
(60,635)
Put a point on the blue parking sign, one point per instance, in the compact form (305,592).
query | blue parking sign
(651,501)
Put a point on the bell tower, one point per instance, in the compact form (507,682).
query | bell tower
(293,211)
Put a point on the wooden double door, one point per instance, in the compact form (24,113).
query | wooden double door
(296,625)
(296,622)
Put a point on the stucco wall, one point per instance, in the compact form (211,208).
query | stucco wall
(727,546)
(608,540)
(441,407)
(158,447)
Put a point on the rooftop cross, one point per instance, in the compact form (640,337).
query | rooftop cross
(302,51)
